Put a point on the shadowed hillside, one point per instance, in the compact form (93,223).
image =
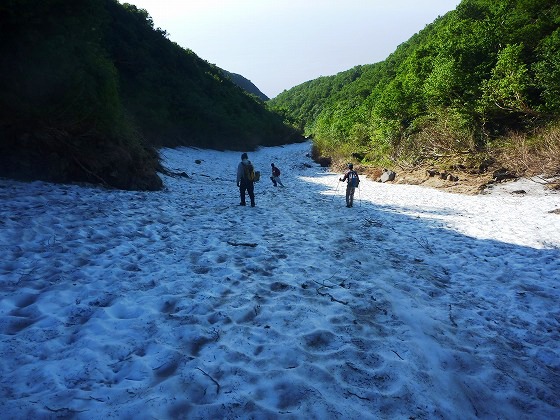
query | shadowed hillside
(246,85)
(90,87)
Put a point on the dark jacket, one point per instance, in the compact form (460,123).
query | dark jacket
(350,175)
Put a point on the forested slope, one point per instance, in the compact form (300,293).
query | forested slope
(481,82)
(246,85)
(177,98)
(90,87)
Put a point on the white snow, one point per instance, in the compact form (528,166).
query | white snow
(415,303)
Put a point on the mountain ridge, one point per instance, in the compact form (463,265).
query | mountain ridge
(246,84)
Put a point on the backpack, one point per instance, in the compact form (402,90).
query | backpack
(353,178)
(250,173)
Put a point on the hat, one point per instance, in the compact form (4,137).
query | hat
(244,156)
(350,165)
(272,164)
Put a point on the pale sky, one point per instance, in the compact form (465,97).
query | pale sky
(278,44)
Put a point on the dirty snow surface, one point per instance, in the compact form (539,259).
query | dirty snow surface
(415,303)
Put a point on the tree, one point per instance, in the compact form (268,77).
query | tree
(504,94)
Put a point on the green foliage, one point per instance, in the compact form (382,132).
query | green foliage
(61,114)
(506,91)
(48,75)
(175,98)
(485,69)
(89,86)
(547,73)
(302,104)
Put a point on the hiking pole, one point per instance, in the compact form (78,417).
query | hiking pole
(336,190)
(359,196)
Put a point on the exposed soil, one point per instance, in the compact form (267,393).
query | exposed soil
(462,183)
(466,183)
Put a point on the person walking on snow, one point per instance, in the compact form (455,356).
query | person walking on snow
(276,175)
(352,179)
(243,182)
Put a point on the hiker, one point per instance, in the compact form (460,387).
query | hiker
(352,179)
(275,178)
(243,181)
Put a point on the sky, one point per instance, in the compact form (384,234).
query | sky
(281,44)
(414,303)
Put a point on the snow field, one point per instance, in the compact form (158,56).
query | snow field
(182,304)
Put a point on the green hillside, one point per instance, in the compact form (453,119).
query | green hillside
(246,85)
(480,83)
(90,88)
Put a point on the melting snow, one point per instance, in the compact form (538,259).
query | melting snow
(415,303)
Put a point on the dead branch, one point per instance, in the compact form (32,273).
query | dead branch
(59,136)
(64,409)
(325,286)
(25,276)
(397,354)
(544,181)
(451,318)
(170,173)
(357,396)
(242,244)
(371,222)
(213,380)
(333,299)
(424,244)
(322,284)
(86,170)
